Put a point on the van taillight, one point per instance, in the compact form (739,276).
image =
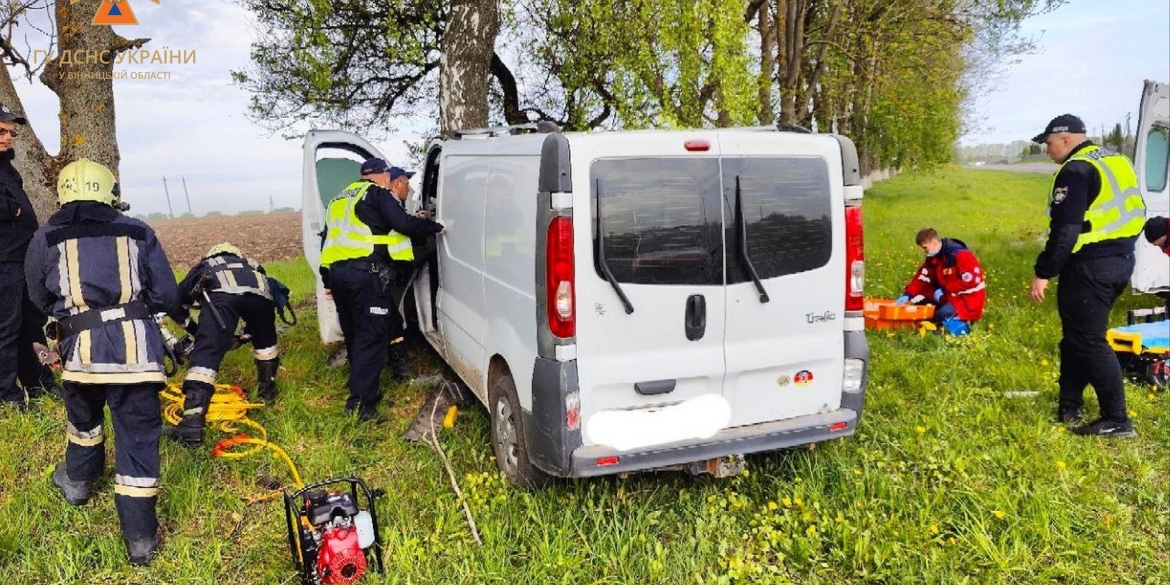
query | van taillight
(854,260)
(562,320)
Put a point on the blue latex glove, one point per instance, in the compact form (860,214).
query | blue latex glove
(902,300)
(956,327)
(938,293)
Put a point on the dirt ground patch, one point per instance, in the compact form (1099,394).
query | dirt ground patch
(264,238)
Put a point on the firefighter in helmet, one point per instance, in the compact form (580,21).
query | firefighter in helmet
(103,276)
(228,287)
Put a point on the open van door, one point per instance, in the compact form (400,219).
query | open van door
(332,160)
(1152,163)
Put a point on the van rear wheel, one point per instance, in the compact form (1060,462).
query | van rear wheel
(508,440)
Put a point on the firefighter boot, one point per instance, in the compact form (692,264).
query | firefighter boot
(189,431)
(266,379)
(76,492)
(141,550)
(399,366)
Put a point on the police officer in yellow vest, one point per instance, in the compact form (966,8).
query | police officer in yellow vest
(367,240)
(1096,213)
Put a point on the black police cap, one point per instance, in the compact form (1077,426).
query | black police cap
(1061,123)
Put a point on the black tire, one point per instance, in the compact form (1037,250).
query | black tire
(508,441)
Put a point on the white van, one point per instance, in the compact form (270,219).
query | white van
(636,300)
(1151,272)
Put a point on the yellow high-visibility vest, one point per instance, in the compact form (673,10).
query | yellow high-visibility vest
(1119,210)
(348,238)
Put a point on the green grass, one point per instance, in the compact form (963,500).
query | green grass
(948,480)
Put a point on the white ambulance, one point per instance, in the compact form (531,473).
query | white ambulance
(635,300)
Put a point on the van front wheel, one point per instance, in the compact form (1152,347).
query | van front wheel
(508,440)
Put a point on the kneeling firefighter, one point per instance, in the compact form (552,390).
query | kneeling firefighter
(103,276)
(228,288)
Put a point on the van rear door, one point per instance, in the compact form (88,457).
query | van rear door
(650,229)
(785,274)
(1151,271)
(332,160)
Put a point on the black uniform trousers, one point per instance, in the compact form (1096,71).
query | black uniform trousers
(213,340)
(367,313)
(137,418)
(21,324)
(1085,294)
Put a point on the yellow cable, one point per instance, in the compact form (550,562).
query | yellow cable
(228,412)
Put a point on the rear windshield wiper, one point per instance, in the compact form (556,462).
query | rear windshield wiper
(617,288)
(741,229)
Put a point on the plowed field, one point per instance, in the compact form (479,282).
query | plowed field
(264,238)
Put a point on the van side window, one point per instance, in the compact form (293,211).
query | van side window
(660,219)
(1157,149)
(787,209)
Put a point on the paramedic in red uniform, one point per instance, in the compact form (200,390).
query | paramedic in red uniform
(950,278)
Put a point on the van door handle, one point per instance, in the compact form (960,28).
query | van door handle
(655,387)
(695,322)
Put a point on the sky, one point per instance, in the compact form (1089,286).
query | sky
(1091,58)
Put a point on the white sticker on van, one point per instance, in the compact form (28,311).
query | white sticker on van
(698,418)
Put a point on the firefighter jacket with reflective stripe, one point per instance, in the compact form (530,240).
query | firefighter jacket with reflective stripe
(955,270)
(225,273)
(1118,211)
(91,257)
(347,237)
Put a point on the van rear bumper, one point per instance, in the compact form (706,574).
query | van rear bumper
(768,436)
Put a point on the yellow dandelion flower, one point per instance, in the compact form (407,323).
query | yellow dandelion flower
(1060,464)
(797,479)
(787,502)
(1150,396)
(812,529)
(799,502)
(772,505)
(934,529)
(951,541)
(999,514)
(856,472)
(1044,362)
(1133,414)
(920,429)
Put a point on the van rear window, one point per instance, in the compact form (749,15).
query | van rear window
(665,220)
(660,220)
(786,209)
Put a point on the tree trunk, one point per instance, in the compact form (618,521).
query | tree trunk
(84,86)
(32,160)
(767,64)
(465,67)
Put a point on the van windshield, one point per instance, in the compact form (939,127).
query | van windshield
(665,219)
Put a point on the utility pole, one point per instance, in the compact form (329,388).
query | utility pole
(270,206)
(187,196)
(170,210)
